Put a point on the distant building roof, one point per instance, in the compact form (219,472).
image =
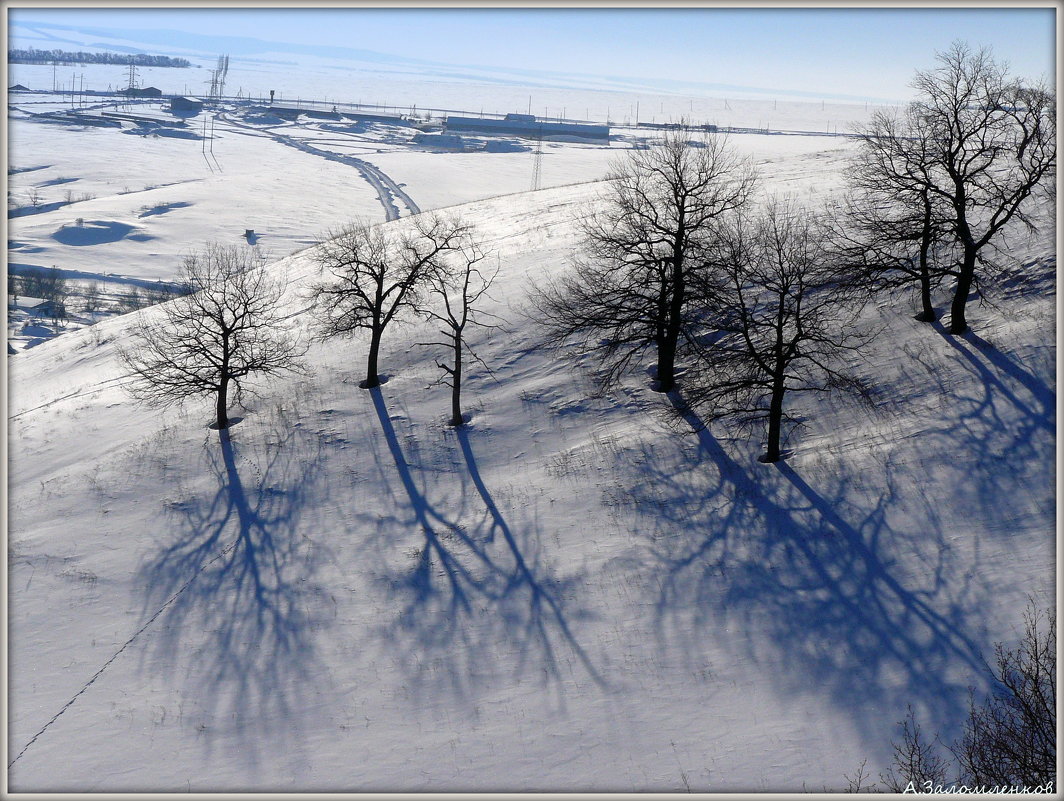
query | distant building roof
(527,129)
(147,91)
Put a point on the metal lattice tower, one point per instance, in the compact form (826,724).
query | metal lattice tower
(537,160)
(217,89)
(133,82)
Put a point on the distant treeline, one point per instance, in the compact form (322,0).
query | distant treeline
(33,56)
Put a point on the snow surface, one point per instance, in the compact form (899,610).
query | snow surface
(578,592)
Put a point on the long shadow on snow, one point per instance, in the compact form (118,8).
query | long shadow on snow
(247,609)
(999,420)
(808,581)
(477,591)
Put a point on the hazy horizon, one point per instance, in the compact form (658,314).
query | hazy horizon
(852,54)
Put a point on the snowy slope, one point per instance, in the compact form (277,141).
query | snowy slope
(580,592)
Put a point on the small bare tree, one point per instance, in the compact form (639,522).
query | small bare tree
(14,288)
(133,300)
(91,297)
(377,273)
(457,284)
(634,289)
(1009,740)
(208,342)
(780,317)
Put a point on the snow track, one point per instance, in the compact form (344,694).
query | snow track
(388,191)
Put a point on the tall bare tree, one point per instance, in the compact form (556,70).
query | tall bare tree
(457,285)
(376,273)
(780,322)
(892,226)
(992,142)
(208,342)
(633,289)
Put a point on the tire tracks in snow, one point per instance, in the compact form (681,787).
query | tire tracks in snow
(388,191)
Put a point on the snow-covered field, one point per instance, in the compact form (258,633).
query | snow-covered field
(578,592)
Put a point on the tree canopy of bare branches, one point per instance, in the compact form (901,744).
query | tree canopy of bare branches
(457,284)
(633,288)
(208,342)
(978,146)
(375,274)
(780,317)
(1009,739)
(891,226)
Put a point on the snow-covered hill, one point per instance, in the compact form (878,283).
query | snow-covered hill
(579,592)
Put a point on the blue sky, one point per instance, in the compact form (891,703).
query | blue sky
(866,52)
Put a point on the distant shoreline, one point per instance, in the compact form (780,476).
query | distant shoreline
(33,56)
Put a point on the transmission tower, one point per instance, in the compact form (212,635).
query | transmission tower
(537,159)
(217,88)
(133,83)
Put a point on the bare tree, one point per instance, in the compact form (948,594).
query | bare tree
(133,300)
(92,297)
(633,290)
(159,293)
(1009,739)
(458,285)
(892,227)
(779,322)
(992,147)
(14,288)
(47,284)
(916,760)
(377,272)
(208,342)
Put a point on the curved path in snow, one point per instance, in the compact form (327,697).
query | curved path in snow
(388,191)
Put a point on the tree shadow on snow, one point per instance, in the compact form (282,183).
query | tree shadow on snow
(479,595)
(999,420)
(809,581)
(242,608)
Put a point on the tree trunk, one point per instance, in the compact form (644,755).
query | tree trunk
(372,379)
(222,404)
(666,369)
(957,322)
(775,422)
(456,384)
(667,348)
(927,312)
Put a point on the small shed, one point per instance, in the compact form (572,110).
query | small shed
(40,307)
(189,104)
